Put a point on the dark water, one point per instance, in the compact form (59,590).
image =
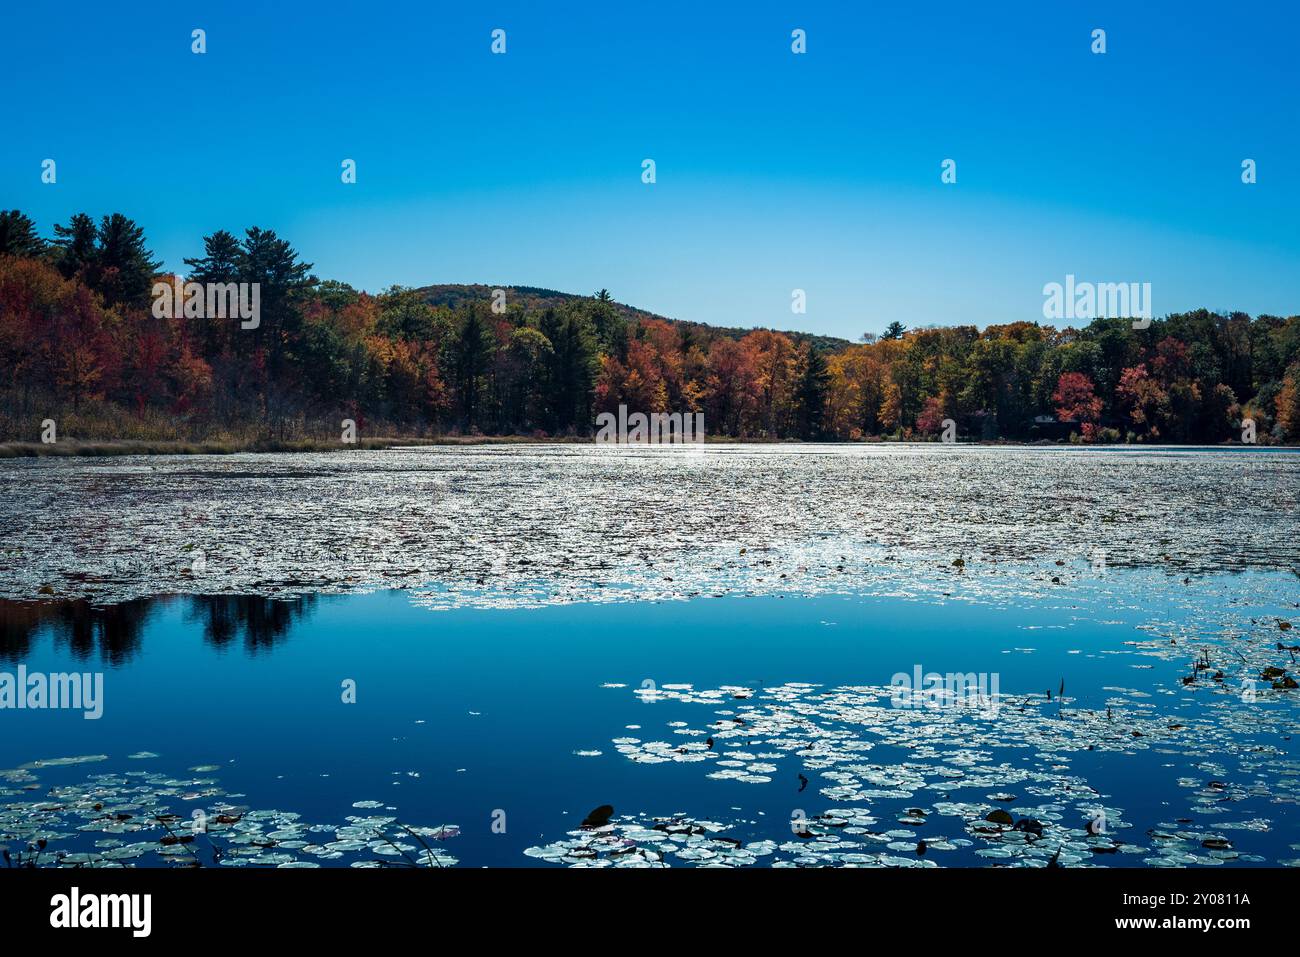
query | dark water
(472,723)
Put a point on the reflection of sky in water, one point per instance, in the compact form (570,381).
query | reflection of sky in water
(468,712)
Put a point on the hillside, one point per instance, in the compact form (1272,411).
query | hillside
(535,299)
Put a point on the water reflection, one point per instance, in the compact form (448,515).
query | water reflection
(115,631)
(260,622)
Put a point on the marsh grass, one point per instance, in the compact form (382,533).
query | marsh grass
(74,447)
(232,444)
(100,429)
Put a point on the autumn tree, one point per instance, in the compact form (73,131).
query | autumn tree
(76,332)
(1287,405)
(1146,403)
(1076,398)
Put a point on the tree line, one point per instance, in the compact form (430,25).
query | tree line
(80,343)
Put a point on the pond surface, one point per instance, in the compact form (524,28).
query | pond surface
(503,526)
(716,689)
(501,730)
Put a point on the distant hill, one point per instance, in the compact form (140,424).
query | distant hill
(536,299)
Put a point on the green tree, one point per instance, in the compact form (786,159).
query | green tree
(222,259)
(524,365)
(571,369)
(609,326)
(76,245)
(404,314)
(124,266)
(273,264)
(810,396)
(18,235)
(471,355)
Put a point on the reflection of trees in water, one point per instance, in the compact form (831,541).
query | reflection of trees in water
(18,623)
(116,630)
(260,621)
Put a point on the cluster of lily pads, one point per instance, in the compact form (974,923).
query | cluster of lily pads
(630,841)
(144,818)
(535,525)
(1234,714)
(827,735)
(842,837)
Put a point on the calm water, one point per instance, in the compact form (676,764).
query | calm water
(461,716)
(747,721)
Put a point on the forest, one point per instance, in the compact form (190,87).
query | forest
(81,345)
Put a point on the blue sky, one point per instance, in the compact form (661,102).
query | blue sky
(775,171)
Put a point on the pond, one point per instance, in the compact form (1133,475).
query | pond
(725,692)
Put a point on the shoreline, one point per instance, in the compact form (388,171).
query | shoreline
(97,448)
(107,448)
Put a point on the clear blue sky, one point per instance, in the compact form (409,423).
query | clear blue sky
(775,171)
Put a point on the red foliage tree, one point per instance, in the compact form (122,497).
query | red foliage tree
(930,419)
(1076,399)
